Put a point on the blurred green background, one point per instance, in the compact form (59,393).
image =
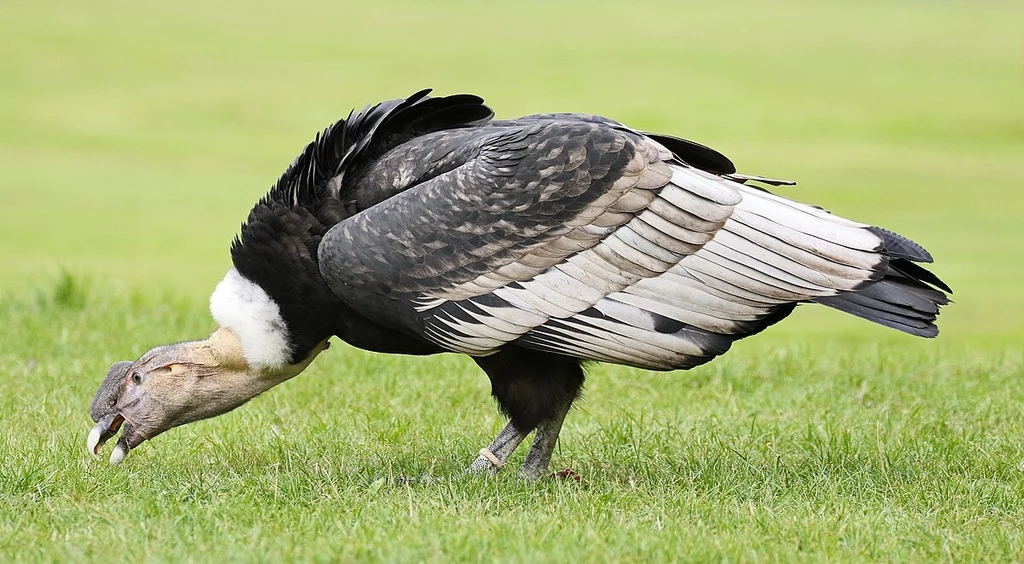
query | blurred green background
(134,136)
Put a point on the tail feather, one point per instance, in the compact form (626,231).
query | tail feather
(899,246)
(907,297)
(911,271)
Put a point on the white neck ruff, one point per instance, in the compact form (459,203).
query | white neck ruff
(242,306)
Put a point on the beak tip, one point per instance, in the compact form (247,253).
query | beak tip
(93,442)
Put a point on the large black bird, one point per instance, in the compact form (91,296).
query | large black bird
(422,225)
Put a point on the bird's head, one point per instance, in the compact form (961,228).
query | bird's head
(176,384)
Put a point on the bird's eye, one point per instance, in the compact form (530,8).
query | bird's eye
(136,378)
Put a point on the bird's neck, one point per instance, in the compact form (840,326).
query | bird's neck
(275,295)
(269,339)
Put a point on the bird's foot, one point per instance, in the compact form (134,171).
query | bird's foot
(493,458)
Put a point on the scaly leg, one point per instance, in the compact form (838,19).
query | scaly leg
(493,457)
(539,457)
(535,389)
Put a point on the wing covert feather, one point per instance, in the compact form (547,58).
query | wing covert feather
(587,239)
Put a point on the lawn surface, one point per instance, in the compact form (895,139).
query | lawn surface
(134,136)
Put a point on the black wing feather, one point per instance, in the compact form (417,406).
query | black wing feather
(350,144)
(695,154)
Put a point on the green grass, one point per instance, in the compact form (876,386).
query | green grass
(134,137)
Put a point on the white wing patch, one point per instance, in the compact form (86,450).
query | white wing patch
(669,284)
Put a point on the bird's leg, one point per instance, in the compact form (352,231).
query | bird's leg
(539,457)
(493,457)
(535,389)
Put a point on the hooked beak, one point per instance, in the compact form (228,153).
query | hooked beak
(108,420)
(108,427)
(104,429)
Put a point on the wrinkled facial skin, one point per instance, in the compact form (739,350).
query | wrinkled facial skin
(174,385)
(104,408)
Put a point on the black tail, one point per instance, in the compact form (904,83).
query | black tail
(908,297)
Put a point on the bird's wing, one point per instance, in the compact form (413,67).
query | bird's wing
(591,241)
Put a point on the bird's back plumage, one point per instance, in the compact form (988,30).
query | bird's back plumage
(576,235)
(423,225)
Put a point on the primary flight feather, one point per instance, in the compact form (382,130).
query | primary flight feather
(422,225)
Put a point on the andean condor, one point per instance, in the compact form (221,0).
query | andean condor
(422,225)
